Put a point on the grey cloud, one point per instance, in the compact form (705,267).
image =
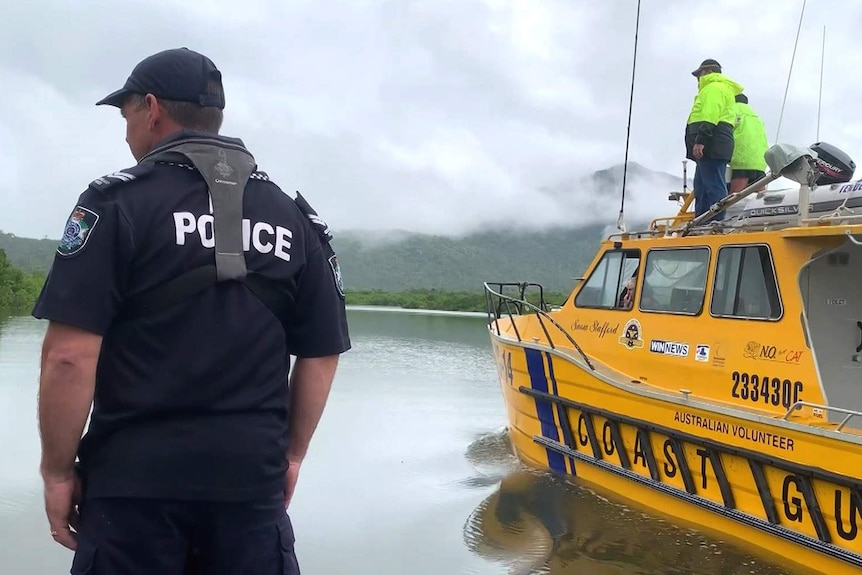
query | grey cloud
(430,116)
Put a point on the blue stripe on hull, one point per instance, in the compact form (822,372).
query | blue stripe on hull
(544,409)
(561,412)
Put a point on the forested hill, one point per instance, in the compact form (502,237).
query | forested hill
(398,261)
(553,258)
(29,254)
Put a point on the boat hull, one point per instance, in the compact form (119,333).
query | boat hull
(786,492)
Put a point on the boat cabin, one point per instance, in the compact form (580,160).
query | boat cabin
(759,310)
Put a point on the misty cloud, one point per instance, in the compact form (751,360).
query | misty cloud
(436,117)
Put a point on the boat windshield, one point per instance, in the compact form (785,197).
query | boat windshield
(674,280)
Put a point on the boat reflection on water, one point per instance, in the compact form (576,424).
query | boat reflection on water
(537,523)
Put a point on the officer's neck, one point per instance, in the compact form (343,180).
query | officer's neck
(178,136)
(182,134)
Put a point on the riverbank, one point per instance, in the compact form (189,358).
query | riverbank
(19,290)
(435,300)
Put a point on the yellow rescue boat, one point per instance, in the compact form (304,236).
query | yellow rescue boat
(708,368)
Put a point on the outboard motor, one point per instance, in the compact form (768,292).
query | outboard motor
(835,166)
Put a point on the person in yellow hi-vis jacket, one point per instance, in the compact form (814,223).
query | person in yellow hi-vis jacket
(750,144)
(709,134)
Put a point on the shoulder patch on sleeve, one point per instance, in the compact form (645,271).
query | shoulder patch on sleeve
(79,228)
(317,222)
(123,176)
(258,175)
(336,274)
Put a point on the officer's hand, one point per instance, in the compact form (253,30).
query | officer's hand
(61,497)
(290,478)
(697,151)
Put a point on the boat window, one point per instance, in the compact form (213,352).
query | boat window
(745,284)
(675,280)
(611,285)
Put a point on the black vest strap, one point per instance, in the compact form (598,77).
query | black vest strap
(280,301)
(169,293)
(195,281)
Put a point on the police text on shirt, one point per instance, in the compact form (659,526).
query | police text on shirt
(264,237)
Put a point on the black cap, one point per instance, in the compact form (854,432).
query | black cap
(176,74)
(708,64)
(742,98)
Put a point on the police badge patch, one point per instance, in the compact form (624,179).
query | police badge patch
(77,231)
(336,274)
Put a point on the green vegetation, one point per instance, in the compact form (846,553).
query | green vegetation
(420,271)
(439,300)
(29,254)
(411,271)
(395,262)
(18,289)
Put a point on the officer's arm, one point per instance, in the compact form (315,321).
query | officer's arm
(79,299)
(310,383)
(316,337)
(69,358)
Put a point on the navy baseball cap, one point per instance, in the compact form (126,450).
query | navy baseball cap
(176,74)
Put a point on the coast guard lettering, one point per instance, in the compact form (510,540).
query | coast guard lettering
(263,237)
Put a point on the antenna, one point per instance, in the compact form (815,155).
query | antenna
(820,96)
(792,59)
(621,225)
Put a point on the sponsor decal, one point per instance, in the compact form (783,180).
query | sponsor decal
(718,355)
(632,336)
(701,352)
(663,347)
(759,352)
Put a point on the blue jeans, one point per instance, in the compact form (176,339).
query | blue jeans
(710,185)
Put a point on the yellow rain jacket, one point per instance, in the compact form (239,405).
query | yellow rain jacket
(750,141)
(712,117)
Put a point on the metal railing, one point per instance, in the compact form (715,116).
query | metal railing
(496,301)
(800,404)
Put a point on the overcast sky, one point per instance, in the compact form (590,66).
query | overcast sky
(429,115)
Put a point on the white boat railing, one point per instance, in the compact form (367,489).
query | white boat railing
(828,408)
(833,219)
(495,311)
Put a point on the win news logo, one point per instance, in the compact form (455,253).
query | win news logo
(668,348)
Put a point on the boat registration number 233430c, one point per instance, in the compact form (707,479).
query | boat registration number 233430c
(758,387)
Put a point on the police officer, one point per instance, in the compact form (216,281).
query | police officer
(179,291)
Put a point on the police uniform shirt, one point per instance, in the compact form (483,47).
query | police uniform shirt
(190,400)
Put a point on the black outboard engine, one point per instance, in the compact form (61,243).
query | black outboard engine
(835,166)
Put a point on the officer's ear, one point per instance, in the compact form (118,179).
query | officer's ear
(154,111)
